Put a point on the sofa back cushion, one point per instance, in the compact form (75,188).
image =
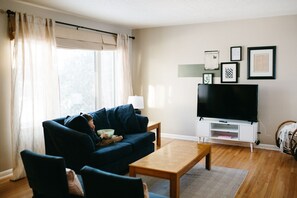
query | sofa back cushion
(79,123)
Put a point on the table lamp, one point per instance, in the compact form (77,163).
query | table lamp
(137,102)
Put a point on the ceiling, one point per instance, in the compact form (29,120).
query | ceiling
(135,14)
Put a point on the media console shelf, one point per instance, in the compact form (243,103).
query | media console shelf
(228,130)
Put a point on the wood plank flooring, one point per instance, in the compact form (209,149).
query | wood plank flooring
(271,173)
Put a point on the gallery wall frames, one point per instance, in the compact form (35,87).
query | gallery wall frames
(208,78)
(211,60)
(236,53)
(261,62)
(229,72)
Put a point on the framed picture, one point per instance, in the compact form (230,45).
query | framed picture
(229,72)
(211,61)
(207,78)
(261,62)
(236,53)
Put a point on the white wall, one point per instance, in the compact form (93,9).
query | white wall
(157,53)
(5,138)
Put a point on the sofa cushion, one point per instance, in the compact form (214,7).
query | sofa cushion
(100,119)
(123,120)
(111,153)
(79,123)
(138,140)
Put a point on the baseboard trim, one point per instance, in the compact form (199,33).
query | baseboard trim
(225,142)
(267,147)
(5,173)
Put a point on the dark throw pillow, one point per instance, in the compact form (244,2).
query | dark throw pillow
(123,119)
(100,119)
(79,123)
(128,118)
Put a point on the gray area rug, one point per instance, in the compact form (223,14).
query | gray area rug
(199,182)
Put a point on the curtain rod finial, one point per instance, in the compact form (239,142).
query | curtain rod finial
(10,12)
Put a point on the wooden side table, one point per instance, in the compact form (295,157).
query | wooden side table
(155,125)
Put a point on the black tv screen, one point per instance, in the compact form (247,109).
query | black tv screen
(238,102)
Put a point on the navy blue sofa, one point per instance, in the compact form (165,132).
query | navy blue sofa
(77,146)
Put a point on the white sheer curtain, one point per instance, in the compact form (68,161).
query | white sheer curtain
(35,88)
(123,71)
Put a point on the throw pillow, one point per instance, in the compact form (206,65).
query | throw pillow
(123,120)
(128,118)
(114,121)
(79,123)
(74,186)
(100,119)
(145,190)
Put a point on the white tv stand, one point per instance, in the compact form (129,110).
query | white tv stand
(232,130)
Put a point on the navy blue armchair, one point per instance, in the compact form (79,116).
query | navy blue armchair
(46,175)
(99,183)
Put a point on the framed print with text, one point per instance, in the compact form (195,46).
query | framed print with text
(261,62)
(229,72)
(236,53)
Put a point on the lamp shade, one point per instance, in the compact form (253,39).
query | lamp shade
(136,101)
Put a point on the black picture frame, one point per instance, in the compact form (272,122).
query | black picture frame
(236,53)
(261,62)
(229,72)
(207,78)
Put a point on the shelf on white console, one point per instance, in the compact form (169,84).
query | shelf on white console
(221,138)
(226,130)
(224,135)
(224,127)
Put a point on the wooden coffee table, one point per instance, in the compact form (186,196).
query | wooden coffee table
(172,161)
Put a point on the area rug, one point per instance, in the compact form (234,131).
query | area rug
(199,182)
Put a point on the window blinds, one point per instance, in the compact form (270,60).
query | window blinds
(68,37)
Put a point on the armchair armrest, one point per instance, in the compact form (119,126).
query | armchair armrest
(74,146)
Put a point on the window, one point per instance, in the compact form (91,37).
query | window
(86,79)
(106,79)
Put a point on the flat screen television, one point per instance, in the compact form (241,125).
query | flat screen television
(236,102)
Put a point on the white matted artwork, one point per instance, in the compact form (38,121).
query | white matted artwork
(211,60)
(229,72)
(261,62)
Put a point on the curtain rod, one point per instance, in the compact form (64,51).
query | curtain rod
(87,28)
(77,26)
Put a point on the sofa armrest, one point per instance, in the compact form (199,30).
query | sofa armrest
(143,122)
(75,147)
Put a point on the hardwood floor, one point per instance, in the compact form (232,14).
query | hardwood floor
(271,173)
(18,189)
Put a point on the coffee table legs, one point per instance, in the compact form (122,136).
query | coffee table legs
(207,161)
(174,186)
(132,172)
